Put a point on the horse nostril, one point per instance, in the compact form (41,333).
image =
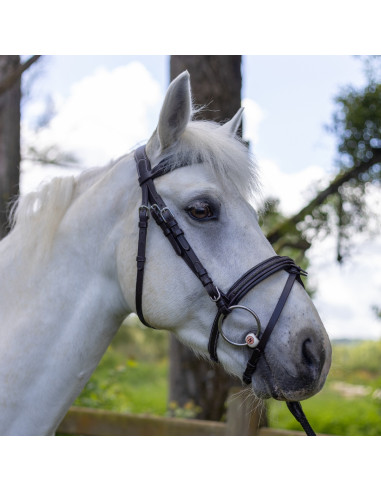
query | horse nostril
(307,353)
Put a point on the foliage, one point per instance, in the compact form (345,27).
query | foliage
(132,375)
(51,154)
(377,311)
(189,411)
(359,361)
(357,124)
(291,244)
(341,208)
(137,342)
(127,385)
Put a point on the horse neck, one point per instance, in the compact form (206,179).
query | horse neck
(59,317)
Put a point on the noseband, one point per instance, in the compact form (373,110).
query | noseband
(152,204)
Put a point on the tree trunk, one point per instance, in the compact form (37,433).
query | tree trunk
(9,138)
(216,82)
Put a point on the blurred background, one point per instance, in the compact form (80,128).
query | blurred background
(313,124)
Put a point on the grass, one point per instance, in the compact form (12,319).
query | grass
(140,385)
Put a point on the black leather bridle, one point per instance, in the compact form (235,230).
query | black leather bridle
(152,204)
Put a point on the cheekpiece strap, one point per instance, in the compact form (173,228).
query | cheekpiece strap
(154,205)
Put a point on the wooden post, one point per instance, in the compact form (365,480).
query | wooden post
(245,415)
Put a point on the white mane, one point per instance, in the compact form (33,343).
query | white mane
(46,205)
(36,216)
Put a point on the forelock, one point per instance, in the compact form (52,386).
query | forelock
(227,156)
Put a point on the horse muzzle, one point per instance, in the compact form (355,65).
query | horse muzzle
(304,372)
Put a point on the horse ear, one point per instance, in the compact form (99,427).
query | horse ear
(175,112)
(231,126)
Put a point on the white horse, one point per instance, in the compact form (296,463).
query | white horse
(68,271)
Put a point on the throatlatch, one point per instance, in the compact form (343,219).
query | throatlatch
(152,204)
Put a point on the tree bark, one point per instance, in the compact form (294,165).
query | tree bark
(14,75)
(9,137)
(216,83)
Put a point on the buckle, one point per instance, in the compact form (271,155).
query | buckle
(217,297)
(159,211)
(145,208)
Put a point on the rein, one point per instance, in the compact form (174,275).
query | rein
(152,204)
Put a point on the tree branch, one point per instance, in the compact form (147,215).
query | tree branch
(332,188)
(8,81)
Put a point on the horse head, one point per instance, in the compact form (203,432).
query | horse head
(207,179)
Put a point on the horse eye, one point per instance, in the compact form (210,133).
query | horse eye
(200,211)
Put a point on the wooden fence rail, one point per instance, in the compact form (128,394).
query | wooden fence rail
(241,420)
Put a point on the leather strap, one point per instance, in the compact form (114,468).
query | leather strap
(259,349)
(153,203)
(143,167)
(296,409)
